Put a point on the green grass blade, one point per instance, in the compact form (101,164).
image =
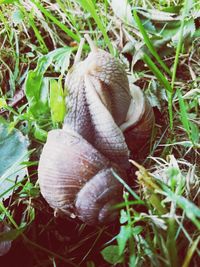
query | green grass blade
(183,112)
(126,186)
(149,44)
(163,80)
(65,7)
(190,252)
(178,49)
(180,41)
(171,242)
(37,34)
(184,115)
(49,15)
(89,6)
(31,21)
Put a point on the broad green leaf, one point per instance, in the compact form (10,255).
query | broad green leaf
(37,86)
(57,101)
(32,87)
(60,57)
(36,90)
(13,151)
(111,254)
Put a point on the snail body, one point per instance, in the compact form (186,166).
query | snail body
(99,92)
(78,164)
(137,127)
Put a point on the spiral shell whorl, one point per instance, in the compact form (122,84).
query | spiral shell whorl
(69,167)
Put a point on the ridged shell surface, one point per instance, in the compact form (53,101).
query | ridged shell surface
(70,165)
(98,101)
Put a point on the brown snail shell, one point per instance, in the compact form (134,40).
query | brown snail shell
(75,178)
(105,120)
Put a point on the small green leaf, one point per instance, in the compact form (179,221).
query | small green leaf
(123,216)
(61,59)
(39,133)
(111,254)
(29,190)
(57,101)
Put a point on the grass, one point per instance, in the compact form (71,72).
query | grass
(159,220)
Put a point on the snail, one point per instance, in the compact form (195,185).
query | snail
(78,163)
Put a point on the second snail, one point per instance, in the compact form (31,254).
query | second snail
(107,119)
